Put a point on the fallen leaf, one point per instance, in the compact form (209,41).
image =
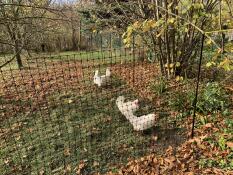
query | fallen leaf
(42,172)
(80,167)
(229,144)
(155,138)
(67,152)
(68,169)
(189,173)
(95,163)
(201,146)
(6,161)
(208,125)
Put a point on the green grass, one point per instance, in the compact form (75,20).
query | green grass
(5,58)
(96,57)
(73,126)
(99,57)
(90,127)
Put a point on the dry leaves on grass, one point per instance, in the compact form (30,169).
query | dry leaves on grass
(138,76)
(80,167)
(185,159)
(25,90)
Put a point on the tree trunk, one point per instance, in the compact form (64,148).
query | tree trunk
(18,55)
(80,35)
(17,51)
(74,41)
(161,55)
(19,61)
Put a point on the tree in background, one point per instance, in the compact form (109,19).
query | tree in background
(19,19)
(36,26)
(171,29)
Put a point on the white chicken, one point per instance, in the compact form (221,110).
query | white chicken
(102,80)
(143,122)
(127,108)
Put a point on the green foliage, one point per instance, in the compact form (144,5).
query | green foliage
(229,123)
(159,87)
(222,142)
(206,163)
(203,120)
(225,64)
(228,130)
(222,163)
(212,99)
(179,101)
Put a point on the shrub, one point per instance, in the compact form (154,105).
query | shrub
(179,101)
(212,98)
(160,86)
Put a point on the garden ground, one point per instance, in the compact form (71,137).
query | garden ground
(54,120)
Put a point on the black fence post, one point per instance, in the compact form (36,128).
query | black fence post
(110,44)
(133,59)
(197,85)
(80,34)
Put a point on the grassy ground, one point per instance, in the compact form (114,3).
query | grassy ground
(54,119)
(108,56)
(58,131)
(52,124)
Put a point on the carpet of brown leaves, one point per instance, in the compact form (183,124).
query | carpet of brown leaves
(36,84)
(30,87)
(138,76)
(184,161)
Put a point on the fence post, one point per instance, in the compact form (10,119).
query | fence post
(197,85)
(110,41)
(101,42)
(110,44)
(133,59)
(101,47)
(120,40)
(80,34)
(91,40)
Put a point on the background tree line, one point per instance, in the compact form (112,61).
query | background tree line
(38,26)
(171,29)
